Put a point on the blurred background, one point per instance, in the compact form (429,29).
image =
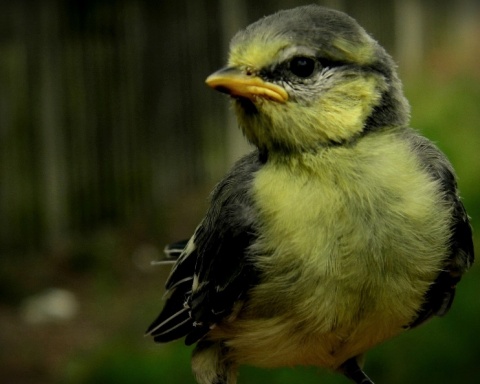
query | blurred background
(110,144)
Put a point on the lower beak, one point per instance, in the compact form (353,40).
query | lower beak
(236,83)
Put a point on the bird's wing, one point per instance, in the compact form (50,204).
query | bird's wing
(213,271)
(439,297)
(175,250)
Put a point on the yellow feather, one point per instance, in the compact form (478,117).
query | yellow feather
(351,239)
(258,53)
(339,114)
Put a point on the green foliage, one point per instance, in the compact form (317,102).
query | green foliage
(125,363)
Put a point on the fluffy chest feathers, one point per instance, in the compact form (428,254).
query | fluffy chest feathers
(353,230)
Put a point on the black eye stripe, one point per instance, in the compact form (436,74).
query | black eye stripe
(283,70)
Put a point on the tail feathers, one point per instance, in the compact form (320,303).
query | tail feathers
(176,329)
(174,320)
(162,325)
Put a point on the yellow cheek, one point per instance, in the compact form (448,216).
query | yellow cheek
(343,110)
(338,114)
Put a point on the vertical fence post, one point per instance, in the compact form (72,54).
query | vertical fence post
(52,171)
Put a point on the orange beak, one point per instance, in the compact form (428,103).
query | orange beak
(236,83)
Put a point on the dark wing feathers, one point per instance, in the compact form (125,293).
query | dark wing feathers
(213,270)
(182,270)
(439,297)
(174,321)
(174,250)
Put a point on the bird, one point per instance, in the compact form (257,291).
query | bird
(341,229)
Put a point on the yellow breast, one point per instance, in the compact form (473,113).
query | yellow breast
(351,238)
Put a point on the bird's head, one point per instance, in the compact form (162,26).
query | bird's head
(309,77)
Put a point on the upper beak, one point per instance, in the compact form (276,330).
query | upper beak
(235,82)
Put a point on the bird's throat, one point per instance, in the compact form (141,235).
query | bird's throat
(247,105)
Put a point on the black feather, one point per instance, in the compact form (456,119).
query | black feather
(173,321)
(224,270)
(174,250)
(217,259)
(441,293)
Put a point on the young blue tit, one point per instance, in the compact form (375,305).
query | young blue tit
(342,229)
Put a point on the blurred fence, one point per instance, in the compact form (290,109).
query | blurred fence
(104,116)
(97,115)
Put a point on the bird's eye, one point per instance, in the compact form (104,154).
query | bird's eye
(302,66)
